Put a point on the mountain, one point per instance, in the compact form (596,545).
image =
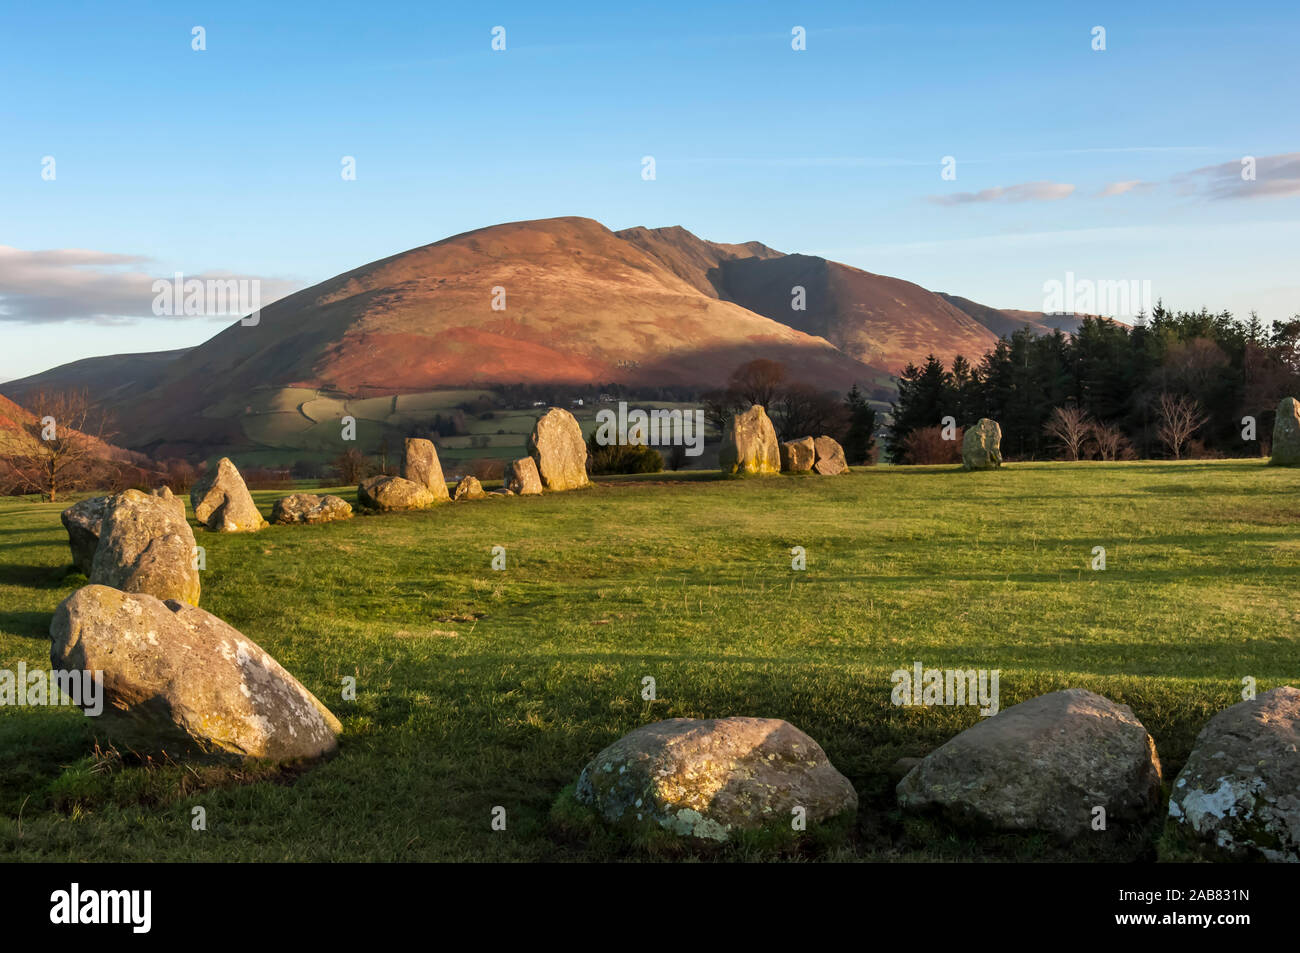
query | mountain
(20,435)
(882,321)
(1004,323)
(581,307)
(14,423)
(577,306)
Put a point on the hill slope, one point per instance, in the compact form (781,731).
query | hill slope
(878,320)
(1004,322)
(582,306)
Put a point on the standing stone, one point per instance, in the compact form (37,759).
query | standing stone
(420,465)
(469,488)
(981,447)
(1239,792)
(749,445)
(83,522)
(1042,765)
(708,778)
(391,493)
(798,456)
(222,502)
(146,546)
(521,477)
(178,680)
(309,508)
(830,457)
(557,447)
(1286,434)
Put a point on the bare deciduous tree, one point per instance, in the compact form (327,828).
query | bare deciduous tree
(69,449)
(353,466)
(759,381)
(1070,427)
(1178,418)
(1109,440)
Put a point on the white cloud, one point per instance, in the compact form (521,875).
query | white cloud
(1024,192)
(75,284)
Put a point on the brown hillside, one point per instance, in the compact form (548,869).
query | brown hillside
(878,320)
(582,306)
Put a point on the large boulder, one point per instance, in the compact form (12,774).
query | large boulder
(981,447)
(1239,792)
(708,778)
(469,488)
(178,680)
(222,502)
(83,522)
(830,457)
(749,445)
(146,546)
(1286,434)
(390,493)
(1042,765)
(798,456)
(557,447)
(420,465)
(310,508)
(521,477)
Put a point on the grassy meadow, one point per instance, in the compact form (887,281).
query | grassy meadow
(479,688)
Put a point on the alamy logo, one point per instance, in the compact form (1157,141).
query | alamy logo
(656,428)
(73,906)
(211,297)
(933,686)
(39,687)
(1115,299)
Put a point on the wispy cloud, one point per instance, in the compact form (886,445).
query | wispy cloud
(1273,177)
(1120,188)
(75,284)
(1024,192)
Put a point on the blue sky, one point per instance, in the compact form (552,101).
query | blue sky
(1120,164)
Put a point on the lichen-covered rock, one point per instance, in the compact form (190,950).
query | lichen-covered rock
(521,477)
(146,546)
(749,445)
(709,778)
(1044,765)
(421,466)
(798,456)
(391,493)
(830,457)
(83,522)
(179,680)
(310,508)
(557,447)
(469,488)
(1286,434)
(222,502)
(981,446)
(1239,792)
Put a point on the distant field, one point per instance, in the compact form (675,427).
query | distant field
(479,688)
(287,424)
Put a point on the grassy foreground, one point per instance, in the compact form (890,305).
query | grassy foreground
(478,688)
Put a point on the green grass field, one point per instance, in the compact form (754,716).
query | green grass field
(479,688)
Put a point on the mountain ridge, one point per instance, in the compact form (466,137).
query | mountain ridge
(560,301)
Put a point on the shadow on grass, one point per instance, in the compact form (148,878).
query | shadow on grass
(27,625)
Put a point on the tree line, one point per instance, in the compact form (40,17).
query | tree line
(1172,385)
